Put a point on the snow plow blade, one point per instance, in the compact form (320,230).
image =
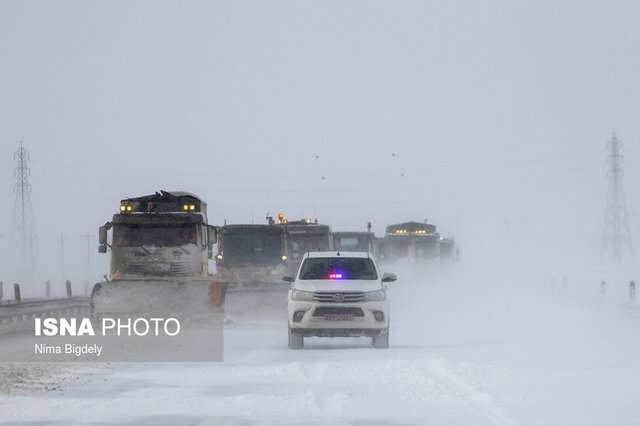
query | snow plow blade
(280,287)
(256,303)
(156,296)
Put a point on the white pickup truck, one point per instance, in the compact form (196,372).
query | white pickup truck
(338,294)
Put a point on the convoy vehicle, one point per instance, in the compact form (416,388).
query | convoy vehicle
(356,241)
(337,294)
(160,247)
(252,256)
(304,236)
(353,241)
(418,242)
(449,253)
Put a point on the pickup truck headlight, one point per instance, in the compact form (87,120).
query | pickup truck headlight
(301,295)
(375,296)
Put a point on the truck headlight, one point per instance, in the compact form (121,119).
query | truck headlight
(301,295)
(375,296)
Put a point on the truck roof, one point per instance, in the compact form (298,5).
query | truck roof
(178,202)
(165,196)
(233,228)
(410,227)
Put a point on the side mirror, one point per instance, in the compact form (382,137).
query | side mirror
(387,277)
(212,234)
(288,279)
(102,236)
(102,239)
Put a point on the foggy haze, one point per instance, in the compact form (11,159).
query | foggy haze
(490,119)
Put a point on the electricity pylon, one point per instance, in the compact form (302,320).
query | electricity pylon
(23,238)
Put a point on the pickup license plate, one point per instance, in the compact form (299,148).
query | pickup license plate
(338,317)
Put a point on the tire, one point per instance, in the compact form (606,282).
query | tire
(296,340)
(381,341)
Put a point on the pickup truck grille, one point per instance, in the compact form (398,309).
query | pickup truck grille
(322,311)
(334,297)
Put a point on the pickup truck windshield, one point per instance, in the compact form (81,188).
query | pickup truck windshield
(343,268)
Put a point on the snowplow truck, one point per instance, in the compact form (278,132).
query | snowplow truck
(415,241)
(356,241)
(449,253)
(160,248)
(252,257)
(303,236)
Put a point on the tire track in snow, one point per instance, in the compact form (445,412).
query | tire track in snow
(314,375)
(481,402)
(408,380)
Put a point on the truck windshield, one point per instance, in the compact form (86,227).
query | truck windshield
(160,235)
(343,268)
(252,249)
(351,244)
(300,244)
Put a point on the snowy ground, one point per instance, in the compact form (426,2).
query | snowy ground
(465,349)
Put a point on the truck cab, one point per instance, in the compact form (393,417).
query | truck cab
(251,255)
(161,235)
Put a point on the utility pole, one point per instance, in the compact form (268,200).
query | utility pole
(88,236)
(62,240)
(23,238)
(617,235)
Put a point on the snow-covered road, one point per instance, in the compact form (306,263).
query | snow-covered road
(465,349)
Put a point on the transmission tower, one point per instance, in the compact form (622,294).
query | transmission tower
(617,236)
(23,228)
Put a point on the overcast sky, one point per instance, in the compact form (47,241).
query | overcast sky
(489,118)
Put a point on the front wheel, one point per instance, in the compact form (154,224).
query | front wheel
(381,341)
(296,340)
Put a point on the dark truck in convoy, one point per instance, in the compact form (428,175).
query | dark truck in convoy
(304,236)
(418,242)
(252,256)
(356,241)
(258,256)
